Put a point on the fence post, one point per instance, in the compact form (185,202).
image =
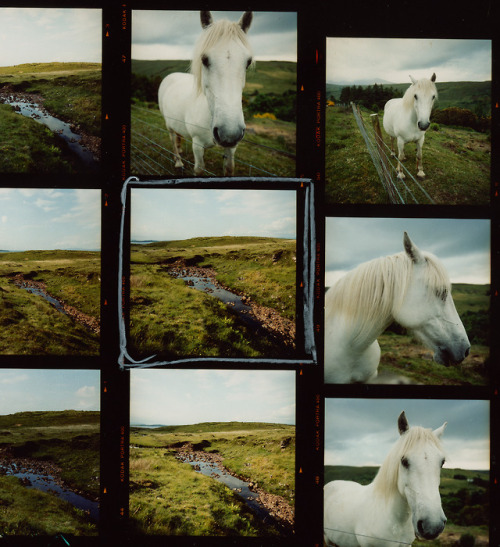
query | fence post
(382,155)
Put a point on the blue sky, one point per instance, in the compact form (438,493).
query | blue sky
(44,35)
(370,60)
(182,397)
(463,245)
(45,219)
(23,390)
(170,34)
(361,432)
(174,213)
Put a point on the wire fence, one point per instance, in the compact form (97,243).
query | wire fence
(150,154)
(399,190)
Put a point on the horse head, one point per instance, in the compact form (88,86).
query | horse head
(428,310)
(220,62)
(420,460)
(424,94)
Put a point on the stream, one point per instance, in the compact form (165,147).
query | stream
(47,483)
(60,128)
(204,284)
(39,292)
(240,487)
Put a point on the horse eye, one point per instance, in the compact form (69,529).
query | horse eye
(249,62)
(443,462)
(205,61)
(405,462)
(416,98)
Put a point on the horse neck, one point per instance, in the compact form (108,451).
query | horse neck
(366,297)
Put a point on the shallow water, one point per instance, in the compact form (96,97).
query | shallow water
(47,483)
(234,301)
(62,129)
(34,290)
(240,487)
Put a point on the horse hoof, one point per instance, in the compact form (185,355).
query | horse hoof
(421,175)
(179,163)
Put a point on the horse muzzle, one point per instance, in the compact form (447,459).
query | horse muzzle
(227,138)
(430,530)
(448,357)
(423,126)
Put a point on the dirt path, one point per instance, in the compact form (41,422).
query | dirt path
(272,322)
(87,321)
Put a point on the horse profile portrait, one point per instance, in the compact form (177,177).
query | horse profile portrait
(205,105)
(411,288)
(401,503)
(407,119)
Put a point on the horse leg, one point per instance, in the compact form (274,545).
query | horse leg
(420,167)
(228,166)
(176,141)
(199,162)
(401,157)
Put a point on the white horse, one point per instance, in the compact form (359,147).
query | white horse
(402,502)
(206,105)
(408,119)
(411,288)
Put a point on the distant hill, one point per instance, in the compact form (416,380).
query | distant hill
(218,426)
(268,76)
(461,94)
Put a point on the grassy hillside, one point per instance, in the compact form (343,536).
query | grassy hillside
(30,324)
(66,445)
(164,490)
(456,163)
(169,317)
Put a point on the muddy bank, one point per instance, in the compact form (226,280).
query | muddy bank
(89,322)
(278,327)
(8,95)
(277,507)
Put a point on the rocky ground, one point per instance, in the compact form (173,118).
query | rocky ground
(278,327)
(276,505)
(87,321)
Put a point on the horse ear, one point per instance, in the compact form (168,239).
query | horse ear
(413,81)
(440,430)
(246,21)
(206,18)
(403,424)
(433,78)
(412,250)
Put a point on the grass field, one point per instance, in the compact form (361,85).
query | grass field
(464,497)
(168,497)
(69,91)
(402,355)
(169,317)
(30,324)
(268,148)
(66,440)
(456,162)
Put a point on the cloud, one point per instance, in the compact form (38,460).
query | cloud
(88,397)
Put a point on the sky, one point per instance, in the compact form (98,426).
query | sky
(47,219)
(171,35)
(184,397)
(23,390)
(360,432)
(462,245)
(171,214)
(381,60)
(44,35)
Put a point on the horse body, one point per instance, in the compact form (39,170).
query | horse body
(407,119)
(205,105)
(411,288)
(401,503)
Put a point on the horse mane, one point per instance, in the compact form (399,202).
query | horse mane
(424,84)
(385,482)
(223,32)
(368,296)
